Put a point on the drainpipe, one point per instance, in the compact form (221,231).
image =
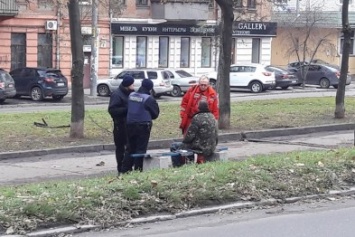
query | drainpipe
(195,66)
(111,40)
(57,61)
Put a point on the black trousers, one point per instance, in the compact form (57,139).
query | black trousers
(138,137)
(121,142)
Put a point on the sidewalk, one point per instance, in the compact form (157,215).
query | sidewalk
(80,164)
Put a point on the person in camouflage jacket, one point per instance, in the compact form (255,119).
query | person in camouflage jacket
(202,133)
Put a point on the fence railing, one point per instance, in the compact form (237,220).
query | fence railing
(8,8)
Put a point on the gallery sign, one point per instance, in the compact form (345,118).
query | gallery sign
(239,29)
(254,29)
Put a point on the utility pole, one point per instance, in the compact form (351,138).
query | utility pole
(94,66)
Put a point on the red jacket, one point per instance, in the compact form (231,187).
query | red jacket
(189,104)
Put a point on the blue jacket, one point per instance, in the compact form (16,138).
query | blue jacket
(142,107)
(118,104)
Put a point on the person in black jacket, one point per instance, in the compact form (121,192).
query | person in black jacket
(142,109)
(118,111)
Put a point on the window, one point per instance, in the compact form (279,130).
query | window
(117,51)
(141,55)
(351,44)
(206,52)
(211,4)
(44,50)
(252,4)
(18,50)
(134,74)
(185,52)
(152,75)
(45,4)
(255,53)
(238,3)
(163,51)
(233,54)
(87,39)
(142,2)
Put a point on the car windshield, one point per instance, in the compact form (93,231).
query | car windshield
(5,77)
(183,73)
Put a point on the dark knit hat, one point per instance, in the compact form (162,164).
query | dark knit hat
(147,84)
(127,81)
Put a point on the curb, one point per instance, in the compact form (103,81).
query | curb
(161,144)
(184,214)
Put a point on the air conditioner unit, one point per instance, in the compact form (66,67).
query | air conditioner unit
(51,25)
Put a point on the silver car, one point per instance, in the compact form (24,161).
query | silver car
(160,78)
(181,81)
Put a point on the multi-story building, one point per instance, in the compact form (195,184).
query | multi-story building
(322,20)
(173,34)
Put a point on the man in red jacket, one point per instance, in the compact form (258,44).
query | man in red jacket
(189,103)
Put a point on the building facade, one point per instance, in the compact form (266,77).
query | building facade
(144,33)
(296,16)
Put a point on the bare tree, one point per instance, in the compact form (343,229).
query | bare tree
(77,106)
(347,32)
(305,34)
(223,84)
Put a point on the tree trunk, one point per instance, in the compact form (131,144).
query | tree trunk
(224,62)
(77,104)
(340,96)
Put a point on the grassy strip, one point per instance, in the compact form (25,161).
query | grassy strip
(18,132)
(109,200)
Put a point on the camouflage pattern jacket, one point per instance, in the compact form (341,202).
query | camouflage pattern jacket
(202,134)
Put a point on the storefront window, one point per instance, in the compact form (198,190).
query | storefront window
(185,52)
(206,52)
(117,53)
(163,51)
(255,54)
(141,55)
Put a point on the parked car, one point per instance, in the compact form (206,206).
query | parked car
(7,86)
(38,83)
(297,64)
(254,77)
(181,81)
(284,78)
(160,78)
(322,75)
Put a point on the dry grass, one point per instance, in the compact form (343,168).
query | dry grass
(18,132)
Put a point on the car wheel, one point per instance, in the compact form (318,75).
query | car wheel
(335,86)
(36,94)
(103,90)
(256,87)
(2,101)
(58,97)
(284,87)
(176,91)
(324,83)
(213,83)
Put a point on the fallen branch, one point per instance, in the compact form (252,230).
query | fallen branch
(45,125)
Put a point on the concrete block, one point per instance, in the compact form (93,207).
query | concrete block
(219,156)
(157,162)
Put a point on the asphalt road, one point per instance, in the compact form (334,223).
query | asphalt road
(26,105)
(322,218)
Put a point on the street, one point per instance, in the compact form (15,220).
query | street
(26,105)
(321,218)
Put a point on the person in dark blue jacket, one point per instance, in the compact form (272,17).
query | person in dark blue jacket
(142,109)
(118,110)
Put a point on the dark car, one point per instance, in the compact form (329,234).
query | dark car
(284,79)
(39,83)
(322,75)
(7,86)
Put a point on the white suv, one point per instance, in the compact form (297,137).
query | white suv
(160,78)
(253,77)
